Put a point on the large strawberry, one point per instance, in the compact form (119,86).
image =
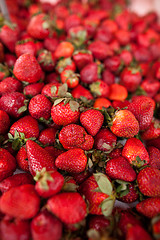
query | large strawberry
(69,207)
(72,161)
(149,207)
(38,158)
(27,68)
(14,202)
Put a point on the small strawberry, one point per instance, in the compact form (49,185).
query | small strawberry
(153,131)
(70,77)
(33,89)
(89,73)
(46,60)
(40,107)
(148,181)
(127,193)
(64,49)
(14,202)
(51,89)
(98,191)
(154,156)
(72,20)
(117,92)
(82,58)
(65,64)
(92,121)
(22,159)
(15,180)
(42,227)
(100,49)
(137,232)
(7,164)
(80,91)
(135,152)
(124,124)
(75,136)
(26,68)
(48,183)
(149,207)
(119,168)
(47,136)
(54,152)
(38,158)
(10,84)
(101,103)
(69,207)
(72,161)
(99,89)
(4,122)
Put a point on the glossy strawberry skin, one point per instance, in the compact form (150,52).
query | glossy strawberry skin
(131,196)
(69,207)
(42,226)
(88,120)
(148,182)
(47,136)
(10,84)
(72,161)
(14,201)
(153,131)
(80,91)
(4,122)
(33,89)
(22,159)
(149,207)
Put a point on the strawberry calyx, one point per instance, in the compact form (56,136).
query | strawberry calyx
(122,188)
(95,88)
(78,38)
(139,163)
(109,114)
(24,107)
(69,186)
(42,177)
(4,69)
(63,63)
(45,57)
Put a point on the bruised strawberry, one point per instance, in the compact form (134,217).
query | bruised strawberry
(15,180)
(100,49)
(154,155)
(149,207)
(89,73)
(148,182)
(80,91)
(47,136)
(124,124)
(69,207)
(33,89)
(72,161)
(38,158)
(4,122)
(48,183)
(42,226)
(14,202)
(10,84)
(27,68)
(92,121)
(135,152)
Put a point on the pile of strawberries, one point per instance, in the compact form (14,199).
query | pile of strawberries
(79,122)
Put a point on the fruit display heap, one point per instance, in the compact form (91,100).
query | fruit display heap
(79,122)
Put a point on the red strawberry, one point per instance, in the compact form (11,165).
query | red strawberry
(148,182)
(54,152)
(4,71)
(50,43)
(69,207)
(119,168)
(27,125)
(48,183)
(64,49)
(100,49)
(7,164)
(26,68)
(46,60)
(80,91)
(105,140)
(128,195)
(22,159)
(150,86)
(51,89)
(40,107)
(153,131)
(33,89)
(13,104)
(89,73)
(75,136)
(99,89)
(10,59)
(137,232)
(154,142)
(126,57)
(82,58)
(64,114)
(45,225)
(142,107)
(113,64)
(98,191)
(72,20)
(25,46)
(108,77)
(98,222)
(47,136)
(124,124)
(15,180)
(92,121)
(13,229)
(154,155)
(4,122)
(149,207)
(156,227)
(14,202)
(38,158)
(65,64)
(72,161)
(70,77)
(135,152)
(10,84)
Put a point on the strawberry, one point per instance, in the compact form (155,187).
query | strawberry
(42,226)
(148,182)
(10,84)
(15,180)
(103,34)
(128,195)
(40,107)
(38,26)
(38,158)
(22,159)
(137,232)
(101,103)
(149,207)
(50,43)
(14,202)
(10,59)
(4,71)
(82,58)
(12,229)
(99,89)
(33,89)
(150,86)
(61,205)
(75,136)
(25,46)
(100,49)
(105,140)
(113,64)
(80,91)
(153,131)
(142,107)
(156,227)
(7,164)
(72,161)
(154,142)
(126,57)
(4,122)
(26,68)
(51,89)
(108,77)
(65,64)
(47,136)
(98,191)
(72,20)
(117,92)
(98,222)
(124,124)
(64,114)
(119,168)
(122,36)
(88,120)
(89,73)
(135,152)
(64,49)
(154,156)
(70,77)
(27,125)
(120,104)
(54,152)
(13,104)
(48,183)
(46,60)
